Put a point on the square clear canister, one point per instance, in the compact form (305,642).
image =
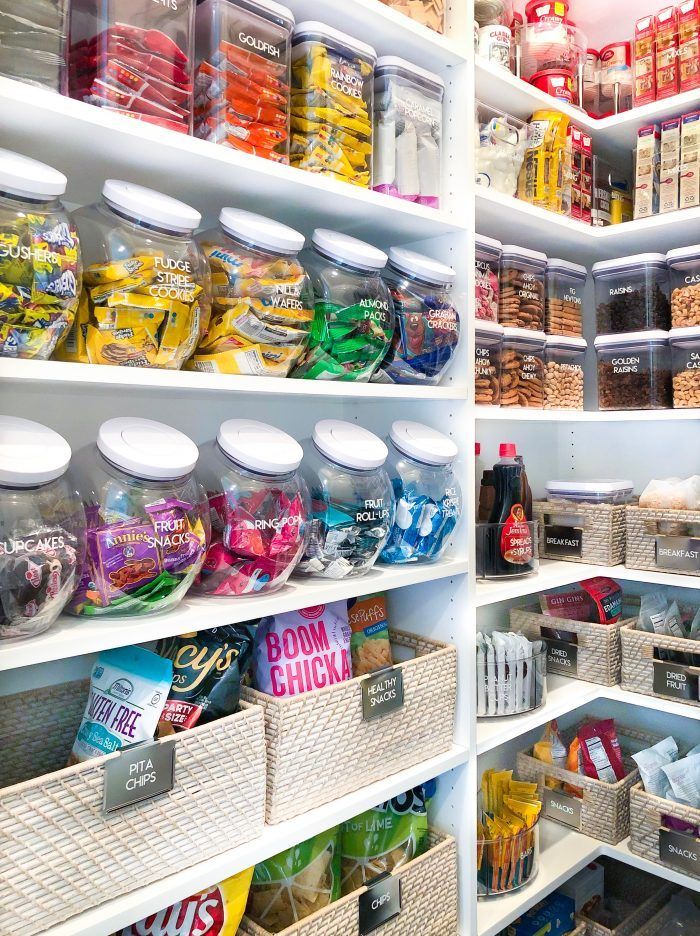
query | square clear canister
(685,360)
(634,371)
(632,294)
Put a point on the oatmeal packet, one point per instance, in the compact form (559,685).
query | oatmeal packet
(369,637)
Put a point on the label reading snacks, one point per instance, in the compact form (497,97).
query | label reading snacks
(382,693)
(563,808)
(562,657)
(563,542)
(680,553)
(675,681)
(139,773)
(680,850)
(380,903)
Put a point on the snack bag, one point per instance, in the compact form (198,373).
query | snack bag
(128,689)
(596,600)
(369,640)
(601,755)
(296,883)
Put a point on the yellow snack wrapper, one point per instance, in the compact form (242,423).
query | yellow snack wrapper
(129,347)
(101,293)
(259,360)
(178,336)
(74,348)
(102,273)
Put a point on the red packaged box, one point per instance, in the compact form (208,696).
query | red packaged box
(575,141)
(666,53)
(586,178)
(689,45)
(644,60)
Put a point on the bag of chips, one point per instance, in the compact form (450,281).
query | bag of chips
(369,640)
(601,754)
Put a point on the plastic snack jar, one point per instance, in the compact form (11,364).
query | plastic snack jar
(146,284)
(40,268)
(428,495)
(242,78)
(685,358)
(487,363)
(259,509)
(354,311)
(634,371)
(263,304)
(563,372)
(684,265)
(486,273)
(136,58)
(332,91)
(352,503)
(522,368)
(565,283)
(632,294)
(34,46)
(407,131)
(42,527)
(147,519)
(522,288)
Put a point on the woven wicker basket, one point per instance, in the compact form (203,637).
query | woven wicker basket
(646,812)
(662,923)
(61,855)
(319,747)
(579,931)
(641,890)
(428,901)
(645,524)
(605,807)
(599,657)
(638,659)
(602,526)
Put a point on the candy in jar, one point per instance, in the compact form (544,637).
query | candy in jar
(428,495)
(34,42)
(147,519)
(40,269)
(259,509)
(352,505)
(263,303)
(42,527)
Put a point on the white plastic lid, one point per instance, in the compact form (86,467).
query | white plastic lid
(679,254)
(350,250)
(260,447)
(279,12)
(610,341)
(524,334)
(622,263)
(421,267)
(143,204)
(147,449)
(30,453)
(259,231)
(556,265)
(422,443)
(483,327)
(488,243)
(596,486)
(523,253)
(564,341)
(20,175)
(393,61)
(349,445)
(313,28)
(689,334)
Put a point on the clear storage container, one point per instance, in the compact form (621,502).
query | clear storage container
(34,42)
(427,492)
(262,299)
(563,373)
(684,265)
(430,13)
(632,294)
(597,491)
(499,149)
(332,94)
(565,284)
(634,371)
(487,363)
(426,330)
(42,527)
(354,312)
(146,283)
(135,57)
(352,502)
(259,509)
(522,288)
(40,265)
(522,368)
(685,360)
(243,52)
(487,268)
(147,519)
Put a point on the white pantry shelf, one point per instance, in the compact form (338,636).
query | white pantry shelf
(525,414)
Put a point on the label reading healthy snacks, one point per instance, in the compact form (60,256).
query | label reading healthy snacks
(382,693)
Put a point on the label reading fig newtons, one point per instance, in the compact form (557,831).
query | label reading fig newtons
(675,681)
(382,693)
(139,773)
(680,850)
(562,657)
(380,903)
(563,808)
(563,542)
(678,553)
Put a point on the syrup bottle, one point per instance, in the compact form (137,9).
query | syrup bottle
(511,548)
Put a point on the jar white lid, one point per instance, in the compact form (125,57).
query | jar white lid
(421,267)
(637,260)
(393,61)
(488,243)
(556,265)
(683,253)
(423,443)
(523,253)
(524,334)
(144,204)
(147,449)
(596,486)
(260,447)
(350,250)
(690,334)
(277,11)
(308,28)
(349,445)
(655,336)
(488,328)
(260,231)
(29,178)
(566,341)
(30,453)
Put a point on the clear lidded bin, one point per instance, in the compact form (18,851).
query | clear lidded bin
(563,372)
(522,368)
(500,149)
(487,269)
(34,42)
(685,360)
(259,509)
(565,284)
(487,363)
(634,371)
(684,266)
(522,288)
(507,863)
(632,294)
(512,682)
(42,527)
(596,491)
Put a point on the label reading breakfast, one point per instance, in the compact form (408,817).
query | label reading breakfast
(563,542)
(382,693)
(679,553)
(139,773)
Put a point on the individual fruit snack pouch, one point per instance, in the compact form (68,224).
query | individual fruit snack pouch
(600,751)
(369,641)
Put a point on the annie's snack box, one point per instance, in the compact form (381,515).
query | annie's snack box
(666,53)
(644,60)
(690,156)
(670,165)
(646,179)
(689,44)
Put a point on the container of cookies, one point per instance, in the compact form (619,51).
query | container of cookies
(522,288)
(522,368)
(564,304)
(487,363)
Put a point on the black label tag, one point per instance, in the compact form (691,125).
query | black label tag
(680,850)
(681,553)
(382,693)
(676,681)
(563,808)
(563,542)
(380,903)
(562,657)
(139,773)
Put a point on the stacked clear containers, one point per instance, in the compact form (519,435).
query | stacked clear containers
(684,267)
(685,359)
(522,368)
(632,294)
(565,283)
(146,285)
(563,373)
(487,363)
(40,267)
(487,268)
(426,332)
(352,503)
(262,300)
(34,42)
(428,495)
(634,371)
(42,528)
(147,519)
(259,509)
(135,57)
(522,288)
(407,154)
(354,312)
(331,114)
(243,50)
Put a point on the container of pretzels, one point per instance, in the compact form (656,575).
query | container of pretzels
(522,368)
(522,288)
(487,363)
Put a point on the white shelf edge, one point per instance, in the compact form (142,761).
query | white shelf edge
(524,414)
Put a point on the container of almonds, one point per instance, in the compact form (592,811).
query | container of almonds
(685,361)
(563,372)
(487,363)
(522,288)
(522,368)
(565,283)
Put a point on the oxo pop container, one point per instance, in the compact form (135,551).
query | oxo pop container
(488,345)
(522,368)
(684,264)
(522,288)
(685,360)
(34,42)
(407,156)
(634,371)
(632,294)
(564,305)
(563,372)
(599,491)
(243,51)
(487,268)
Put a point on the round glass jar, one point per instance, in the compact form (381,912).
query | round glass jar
(354,314)
(685,359)
(634,371)
(563,373)
(147,519)
(522,368)
(428,495)
(426,330)
(632,294)
(352,503)
(40,269)
(262,300)
(487,363)
(42,527)
(259,509)
(146,283)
